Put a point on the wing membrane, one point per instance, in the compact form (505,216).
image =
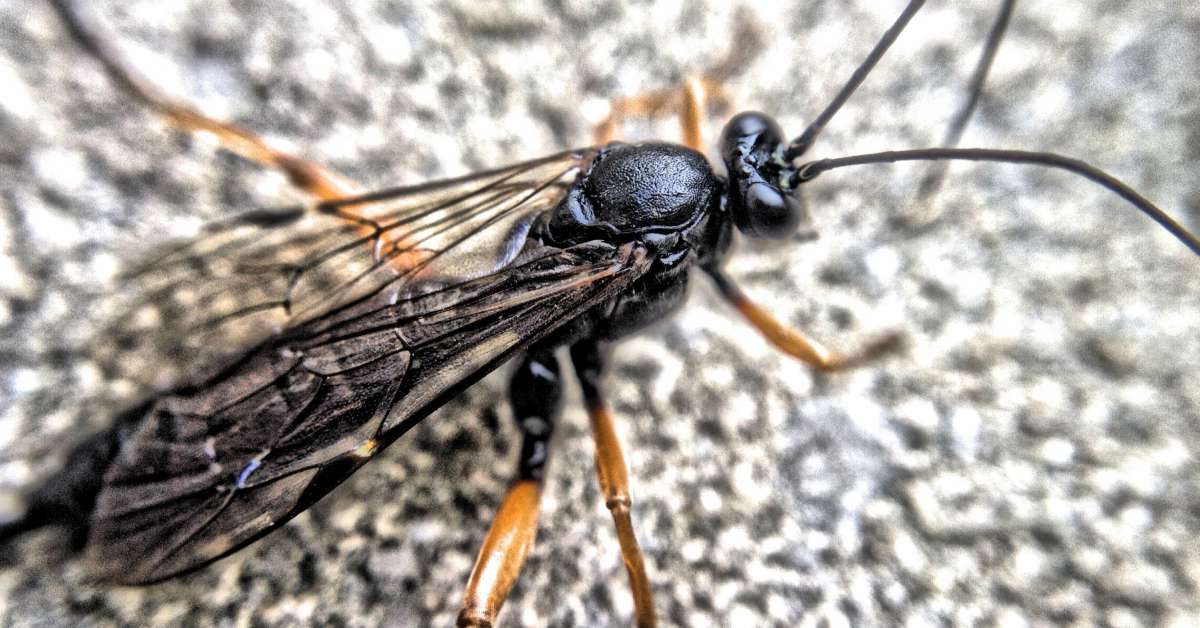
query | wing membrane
(224,460)
(262,273)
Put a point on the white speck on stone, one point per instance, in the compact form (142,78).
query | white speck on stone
(169,614)
(848,536)
(741,616)
(17,99)
(719,376)
(1028,563)
(24,381)
(102,267)
(710,499)
(1058,452)
(1181,618)
(908,553)
(50,227)
(693,550)
(127,602)
(595,110)
(667,378)
(919,619)
(724,594)
(391,44)
(1090,561)
(1121,617)
(425,531)
(12,505)
(895,594)
(748,486)
(735,538)
(1136,519)
(1010,617)
(943,579)
(61,167)
(919,411)
(1139,394)
(966,424)
(883,263)
(1049,397)
(16,282)
(1172,455)
(778,607)
(1138,581)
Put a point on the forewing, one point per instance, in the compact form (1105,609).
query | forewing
(224,460)
(264,272)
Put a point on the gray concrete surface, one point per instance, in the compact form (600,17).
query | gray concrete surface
(1031,460)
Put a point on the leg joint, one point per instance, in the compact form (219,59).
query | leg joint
(619,504)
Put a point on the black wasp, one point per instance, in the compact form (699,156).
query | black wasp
(356,317)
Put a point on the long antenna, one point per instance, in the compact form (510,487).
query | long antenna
(810,170)
(932,181)
(801,144)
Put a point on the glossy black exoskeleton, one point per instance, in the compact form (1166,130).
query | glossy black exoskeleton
(380,307)
(668,197)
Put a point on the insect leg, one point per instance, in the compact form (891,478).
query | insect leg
(309,177)
(794,342)
(588,359)
(690,99)
(687,101)
(536,392)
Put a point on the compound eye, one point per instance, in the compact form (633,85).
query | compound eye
(767,212)
(751,132)
(759,208)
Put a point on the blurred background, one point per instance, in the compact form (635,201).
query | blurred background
(1030,460)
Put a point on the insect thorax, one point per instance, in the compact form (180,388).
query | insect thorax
(658,193)
(663,195)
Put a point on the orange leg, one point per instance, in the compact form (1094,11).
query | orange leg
(687,101)
(535,391)
(313,179)
(792,341)
(614,478)
(690,99)
(503,552)
(320,182)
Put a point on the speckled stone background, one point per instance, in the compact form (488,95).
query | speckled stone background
(1030,460)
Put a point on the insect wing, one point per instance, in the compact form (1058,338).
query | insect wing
(216,465)
(255,275)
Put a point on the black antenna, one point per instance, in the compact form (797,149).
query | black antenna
(933,181)
(801,144)
(810,170)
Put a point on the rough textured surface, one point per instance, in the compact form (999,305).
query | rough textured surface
(1031,460)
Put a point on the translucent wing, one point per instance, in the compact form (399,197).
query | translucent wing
(223,460)
(261,273)
(296,343)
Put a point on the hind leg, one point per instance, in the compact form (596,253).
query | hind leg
(686,101)
(316,180)
(535,392)
(689,100)
(613,475)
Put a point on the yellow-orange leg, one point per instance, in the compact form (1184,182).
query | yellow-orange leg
(687,101)
(614,477)
(503,552)
(535,391)
(794,342)
(320,182)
